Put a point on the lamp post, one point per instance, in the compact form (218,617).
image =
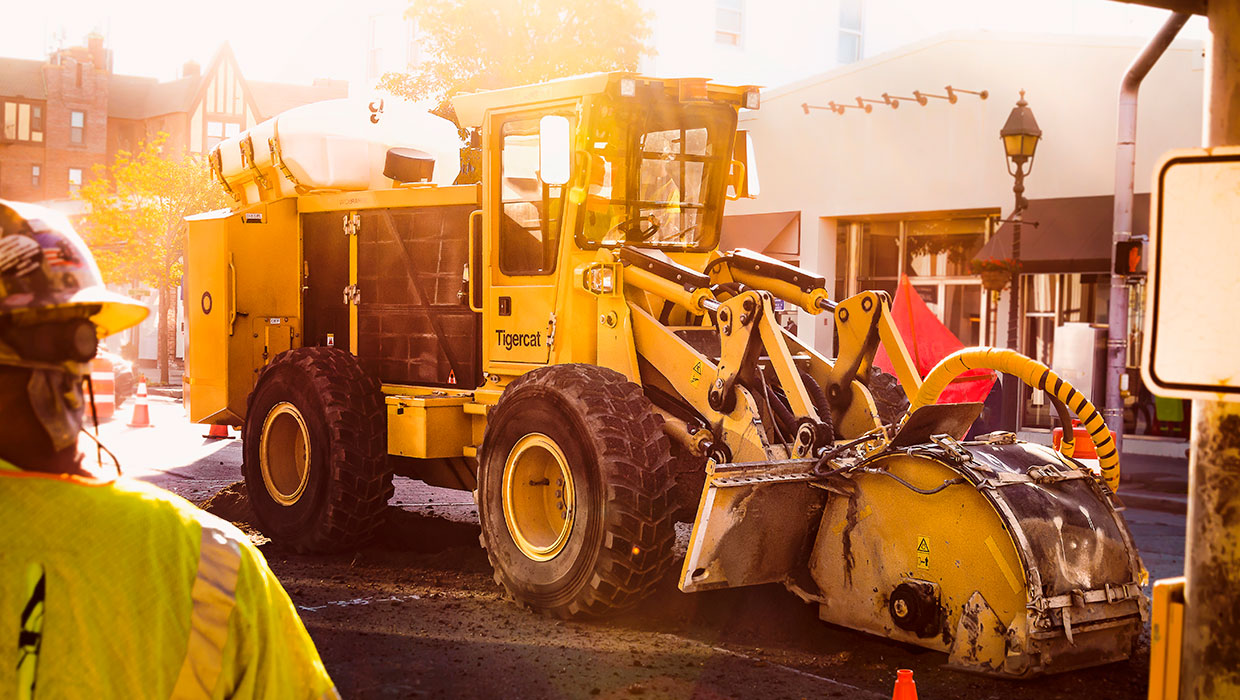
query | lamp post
(1020,137)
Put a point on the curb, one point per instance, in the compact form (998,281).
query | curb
(1175,503)
(165,391)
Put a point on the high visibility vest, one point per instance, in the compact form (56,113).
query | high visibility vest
(118,589)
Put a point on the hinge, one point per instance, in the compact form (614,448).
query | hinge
(352,223)
(352,295)
(551,332)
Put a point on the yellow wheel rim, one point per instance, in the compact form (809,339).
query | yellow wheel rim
(538,497)
(284,453)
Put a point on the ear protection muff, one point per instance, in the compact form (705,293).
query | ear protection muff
(65,341)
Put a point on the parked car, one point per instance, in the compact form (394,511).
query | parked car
(126,380)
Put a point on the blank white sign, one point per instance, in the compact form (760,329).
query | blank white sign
(1193,304)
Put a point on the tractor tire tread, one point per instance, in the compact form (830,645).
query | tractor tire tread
(635,461)
(355,416)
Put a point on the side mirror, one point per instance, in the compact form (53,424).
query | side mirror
(736,179)
(554,149)
(743,178)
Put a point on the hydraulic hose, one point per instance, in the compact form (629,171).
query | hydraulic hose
(1036,375)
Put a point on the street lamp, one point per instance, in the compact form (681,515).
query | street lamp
(1020,136)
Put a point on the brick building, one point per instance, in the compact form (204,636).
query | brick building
(62,116)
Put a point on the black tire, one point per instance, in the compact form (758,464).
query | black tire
(339,501)
(617,544)
(889,397)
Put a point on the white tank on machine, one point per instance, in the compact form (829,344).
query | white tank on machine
(332,146)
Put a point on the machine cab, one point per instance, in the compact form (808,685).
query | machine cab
(584,164)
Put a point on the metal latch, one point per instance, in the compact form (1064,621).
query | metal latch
(953,449)
(352,223)
(352,295)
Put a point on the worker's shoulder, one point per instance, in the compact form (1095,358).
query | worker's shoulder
(163,504)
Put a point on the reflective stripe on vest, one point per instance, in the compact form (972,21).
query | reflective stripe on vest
(30,638)
(214,595)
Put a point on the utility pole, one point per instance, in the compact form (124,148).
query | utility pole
(1125,174)
(1211,647)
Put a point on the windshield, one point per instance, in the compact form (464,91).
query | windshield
(656,174)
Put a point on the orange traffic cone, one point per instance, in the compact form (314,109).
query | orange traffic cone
(141,410)
(217,432)
(905,688)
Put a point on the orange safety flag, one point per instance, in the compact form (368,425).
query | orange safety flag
(929,341)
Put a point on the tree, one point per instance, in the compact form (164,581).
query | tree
(136,226)
(486,44)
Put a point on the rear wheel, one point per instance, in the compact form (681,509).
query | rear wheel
(314,451)
(573,486)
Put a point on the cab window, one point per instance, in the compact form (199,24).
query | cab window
(530,213)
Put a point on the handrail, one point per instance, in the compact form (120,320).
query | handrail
(473,303)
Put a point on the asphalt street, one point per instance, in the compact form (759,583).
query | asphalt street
(417,613)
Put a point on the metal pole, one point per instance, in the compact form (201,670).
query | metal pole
(1125,169)
(1211,644)
(1012,385)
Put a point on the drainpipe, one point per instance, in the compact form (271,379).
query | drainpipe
(1125,169)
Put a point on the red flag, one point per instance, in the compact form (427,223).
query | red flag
(929,341)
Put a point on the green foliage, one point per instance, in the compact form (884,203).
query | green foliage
(486,44)
(135,224)
(1004,265)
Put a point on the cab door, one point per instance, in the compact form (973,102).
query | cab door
(524,236)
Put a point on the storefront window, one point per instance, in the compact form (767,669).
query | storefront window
(962,312)
(942,247)
(933,253)
(843,254)
(880,256)
(1041,296)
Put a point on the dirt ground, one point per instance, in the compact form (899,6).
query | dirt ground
(417,614)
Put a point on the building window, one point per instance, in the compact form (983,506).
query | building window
(374,63)
(77,127)
(23,122)
(75,180)
(849,46)
(35,172)
(728,22)
(219,130)
(374,52)
(932,253)
(413,54)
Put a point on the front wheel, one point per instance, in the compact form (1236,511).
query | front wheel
(573,486)
(314,451)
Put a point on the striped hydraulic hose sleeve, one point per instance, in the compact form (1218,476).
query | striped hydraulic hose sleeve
(1036,375)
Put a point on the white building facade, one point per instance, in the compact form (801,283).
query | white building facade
(919,190)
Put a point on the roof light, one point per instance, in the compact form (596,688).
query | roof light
(752,99)
(692,89)
(628,87)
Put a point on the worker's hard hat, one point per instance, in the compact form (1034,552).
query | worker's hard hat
(45,267)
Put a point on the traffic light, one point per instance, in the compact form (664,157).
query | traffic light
(1128,258)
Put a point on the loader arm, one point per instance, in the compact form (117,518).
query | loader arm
(862,321)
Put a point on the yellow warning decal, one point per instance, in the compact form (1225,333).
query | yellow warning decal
(923,552)
(696,375)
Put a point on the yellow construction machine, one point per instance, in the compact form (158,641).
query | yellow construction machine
(559,333)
